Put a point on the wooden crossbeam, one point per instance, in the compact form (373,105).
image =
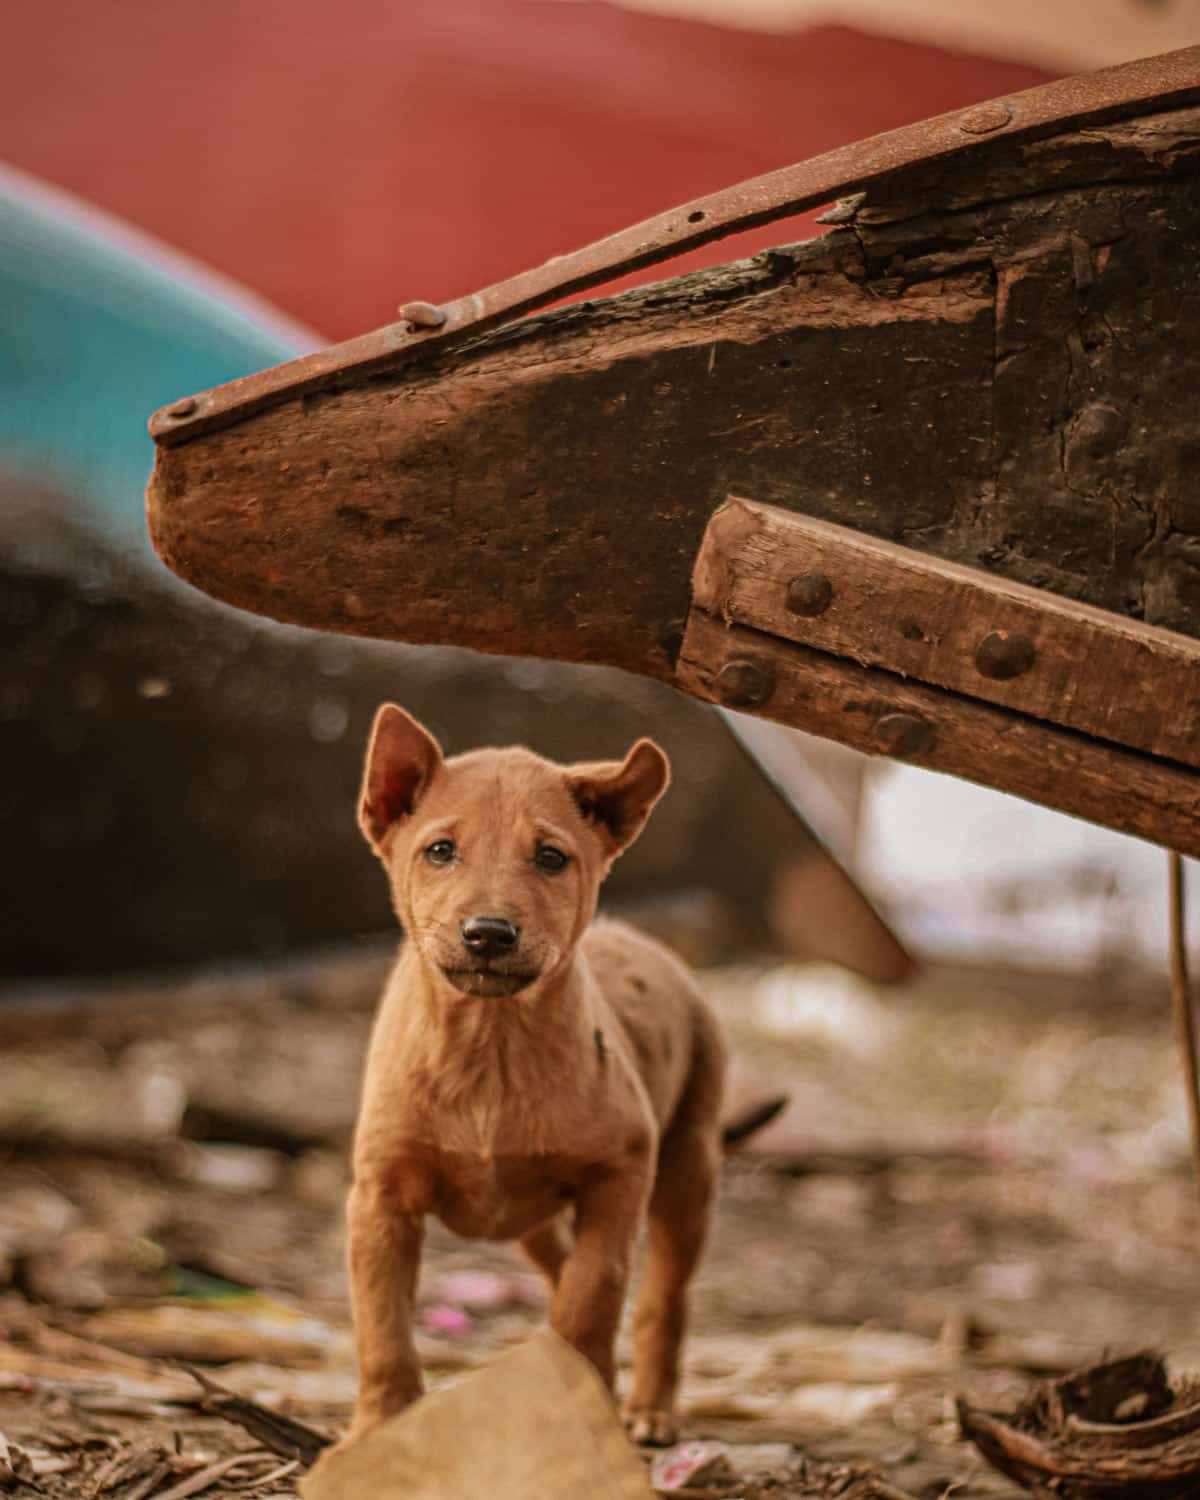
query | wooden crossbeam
(1025,734)
(987,637)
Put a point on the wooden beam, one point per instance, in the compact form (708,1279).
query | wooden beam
(883,605)
(884,714)
(995,365)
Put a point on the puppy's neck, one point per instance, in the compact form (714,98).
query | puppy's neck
(486,1066)
(552,1008)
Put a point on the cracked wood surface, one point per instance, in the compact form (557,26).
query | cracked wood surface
(998,369)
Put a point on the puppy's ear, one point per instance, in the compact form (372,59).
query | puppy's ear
(401,761)
(616,797)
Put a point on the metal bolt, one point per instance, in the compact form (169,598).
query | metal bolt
(904,734)
(809,594)
(985,118)
(1001,655)
(422,315)
(182,409)
(745,684)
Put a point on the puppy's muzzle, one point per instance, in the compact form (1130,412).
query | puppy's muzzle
(489,937)
(490,962)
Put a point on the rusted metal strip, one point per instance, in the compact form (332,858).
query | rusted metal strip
(1155,83)
(882,605)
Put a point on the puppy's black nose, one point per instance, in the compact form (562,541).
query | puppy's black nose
(487,937)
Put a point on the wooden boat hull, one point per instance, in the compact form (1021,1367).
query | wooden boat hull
(991,360)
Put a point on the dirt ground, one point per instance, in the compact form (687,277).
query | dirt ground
(979,1179)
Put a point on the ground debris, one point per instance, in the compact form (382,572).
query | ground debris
(689,1465)
(513,1452)
(1117,1428)
(282,1434)
(204,1478)
(15,1466)
(131,1473)
(248,1327)
(762,1471)
(935,1225)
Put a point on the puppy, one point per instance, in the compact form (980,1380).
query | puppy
(532,1075)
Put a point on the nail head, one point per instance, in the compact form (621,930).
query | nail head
(809,594)
(904,734)
(985,118)
(422,315)
(1001,655)
(745,684)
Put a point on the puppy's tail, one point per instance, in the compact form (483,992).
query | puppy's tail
(751,1121)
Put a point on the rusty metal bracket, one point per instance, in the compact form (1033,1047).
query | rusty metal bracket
(1150,84)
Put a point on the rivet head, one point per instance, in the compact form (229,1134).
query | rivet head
(1002,655)
(422,315)
(904,734)
(809,594)
(745,684)
(985,118)
(182,409)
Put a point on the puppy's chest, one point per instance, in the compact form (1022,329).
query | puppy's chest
(500,1171)
(496,1140)
(503,1197)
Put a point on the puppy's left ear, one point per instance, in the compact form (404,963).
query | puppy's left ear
(617,797)
(402,760)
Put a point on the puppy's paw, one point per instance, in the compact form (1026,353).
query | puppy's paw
(645,1424)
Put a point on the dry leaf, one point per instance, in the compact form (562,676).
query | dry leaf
(539,1422)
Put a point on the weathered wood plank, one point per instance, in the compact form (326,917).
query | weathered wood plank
(883,714)
(1003,376)
(882,605)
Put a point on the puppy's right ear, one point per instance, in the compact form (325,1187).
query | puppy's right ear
(401,762)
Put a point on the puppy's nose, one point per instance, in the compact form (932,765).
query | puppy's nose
(488,936)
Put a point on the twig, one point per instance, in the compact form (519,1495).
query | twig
(1185,1023)
(201,1480)
(280,1473)
(283,1435)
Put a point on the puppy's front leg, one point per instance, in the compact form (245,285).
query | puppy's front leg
(385,1254)
(591,1286)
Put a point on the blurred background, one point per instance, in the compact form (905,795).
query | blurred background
(191,930)
(188,197)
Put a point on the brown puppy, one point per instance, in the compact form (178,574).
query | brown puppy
(531,1076)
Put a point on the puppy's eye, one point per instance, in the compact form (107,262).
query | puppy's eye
(441,852)
(550,859)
